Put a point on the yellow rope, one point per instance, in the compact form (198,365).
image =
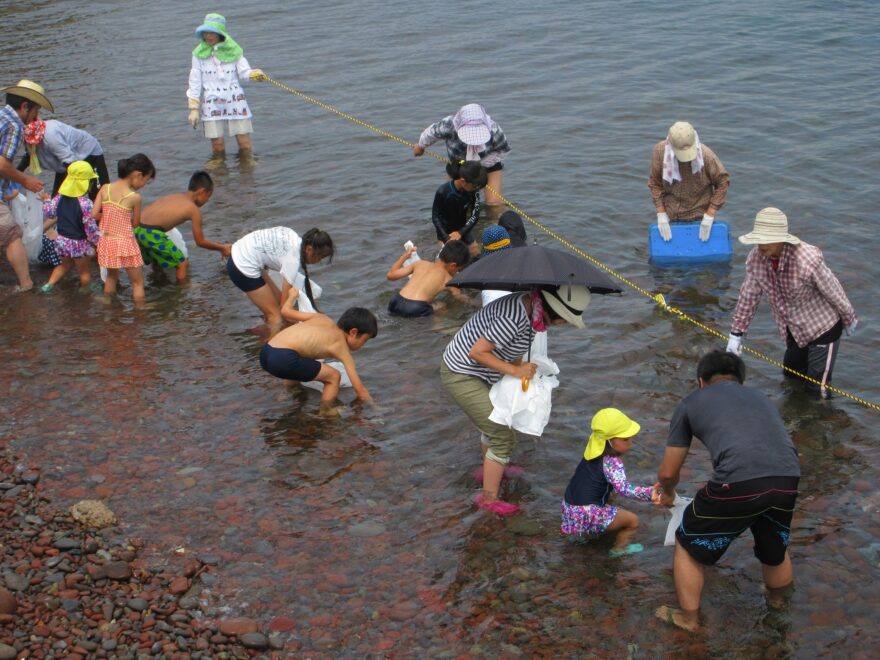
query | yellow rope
(658,298)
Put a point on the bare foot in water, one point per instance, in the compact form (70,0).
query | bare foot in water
(678,618)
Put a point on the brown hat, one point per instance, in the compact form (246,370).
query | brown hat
(28,89)
(683,140)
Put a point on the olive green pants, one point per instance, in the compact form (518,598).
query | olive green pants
(472,396)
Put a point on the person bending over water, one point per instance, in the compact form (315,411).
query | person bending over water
(293,353)
(162,216)
(428,278)
(753,487)
(279,249)
(456,206)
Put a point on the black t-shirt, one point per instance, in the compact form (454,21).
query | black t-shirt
(454,210)
(70,218)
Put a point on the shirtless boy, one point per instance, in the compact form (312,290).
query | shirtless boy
(428,279)
(168,212)
(293,353)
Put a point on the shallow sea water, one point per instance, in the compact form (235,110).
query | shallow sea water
(362,528)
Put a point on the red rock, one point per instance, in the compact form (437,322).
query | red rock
(238,626)
(191,567)
(8,603)
(281,624)
(385,644)
(178,585)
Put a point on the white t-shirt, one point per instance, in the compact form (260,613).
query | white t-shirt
(276,248)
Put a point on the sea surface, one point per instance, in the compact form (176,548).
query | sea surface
(362,528)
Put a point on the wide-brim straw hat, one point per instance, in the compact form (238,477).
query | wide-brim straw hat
(28,89)
(608,423)
(771,226)
(569,302)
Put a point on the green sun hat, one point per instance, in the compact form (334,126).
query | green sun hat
(213,23)
(227,50)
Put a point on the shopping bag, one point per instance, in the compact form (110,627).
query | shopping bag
(526,411)
(27,211)
(677,510)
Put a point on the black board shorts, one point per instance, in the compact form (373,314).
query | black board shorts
(721,512)
(242,281)
(400,306)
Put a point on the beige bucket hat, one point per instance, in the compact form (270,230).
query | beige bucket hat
(31,91)
(771,226)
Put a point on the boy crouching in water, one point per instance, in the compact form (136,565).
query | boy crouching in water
(428,279)
(293,353)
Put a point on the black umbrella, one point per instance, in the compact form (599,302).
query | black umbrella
(532,266)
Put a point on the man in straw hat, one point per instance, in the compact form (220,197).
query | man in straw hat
(807,301)
(687,181)
(23,103)
(754,483)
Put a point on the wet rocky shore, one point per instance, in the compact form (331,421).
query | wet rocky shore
(67,591)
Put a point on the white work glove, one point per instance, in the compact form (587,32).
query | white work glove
(734,344)
(258,75)
(851,328)
(706,227)
(193,105)
(663,227)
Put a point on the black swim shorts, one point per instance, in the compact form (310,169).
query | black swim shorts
(400,306)
(242,281)
(721,512)
(287,363)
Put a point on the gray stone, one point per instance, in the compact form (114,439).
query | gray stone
(253,640)
(7,652)
(210,560)
(70,604)
(108,644)
(65,543)
(367,528)
(188,603)
(137,604)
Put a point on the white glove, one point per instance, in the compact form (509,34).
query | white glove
(663,227)
(258,75)
(706,227)
(851,328)
(734,344)
(193,105)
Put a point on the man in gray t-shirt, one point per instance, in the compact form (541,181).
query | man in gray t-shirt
(754,484)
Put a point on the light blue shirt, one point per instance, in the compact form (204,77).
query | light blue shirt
(63,143)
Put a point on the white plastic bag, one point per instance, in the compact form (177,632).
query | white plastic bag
(27,210)
(528,412)
(677,509)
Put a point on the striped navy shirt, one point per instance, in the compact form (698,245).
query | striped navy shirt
(503,322)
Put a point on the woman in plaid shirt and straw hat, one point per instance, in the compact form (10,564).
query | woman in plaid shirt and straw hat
(807,300)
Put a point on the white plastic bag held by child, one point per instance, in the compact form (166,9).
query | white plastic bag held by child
(528,412)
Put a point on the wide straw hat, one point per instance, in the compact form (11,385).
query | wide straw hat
(608,423)
(683,140)
(79,176)
(771,226)
(28,89)
(569,302)
(215,23)
(471,124)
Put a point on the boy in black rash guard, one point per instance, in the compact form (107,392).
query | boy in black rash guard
(456,203)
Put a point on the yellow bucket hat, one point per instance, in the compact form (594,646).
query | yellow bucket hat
(79,176)
(608,423)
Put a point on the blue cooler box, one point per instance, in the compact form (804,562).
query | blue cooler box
(686,246)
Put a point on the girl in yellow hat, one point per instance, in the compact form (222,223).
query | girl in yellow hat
(77,232)
(585,508)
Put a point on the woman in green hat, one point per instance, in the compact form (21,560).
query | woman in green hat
(214,94)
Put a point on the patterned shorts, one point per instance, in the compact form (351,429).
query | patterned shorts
(721,512)
(591,519)
(157,248)
(47,254)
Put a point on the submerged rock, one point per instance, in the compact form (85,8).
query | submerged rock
(93,514)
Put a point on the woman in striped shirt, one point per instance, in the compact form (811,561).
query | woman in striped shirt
(491,345)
